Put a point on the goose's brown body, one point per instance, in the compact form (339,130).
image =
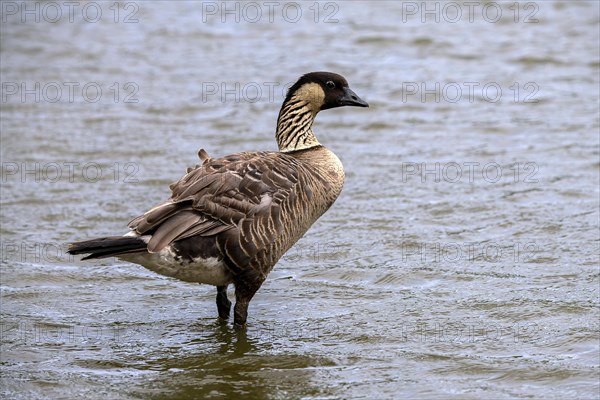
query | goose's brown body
(245,210)
(230,219)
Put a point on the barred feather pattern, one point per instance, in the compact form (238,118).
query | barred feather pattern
(294,125)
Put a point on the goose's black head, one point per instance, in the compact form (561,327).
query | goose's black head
(324,90)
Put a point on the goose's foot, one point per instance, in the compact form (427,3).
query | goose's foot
(223,303)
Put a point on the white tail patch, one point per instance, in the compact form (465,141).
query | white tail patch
(145,238)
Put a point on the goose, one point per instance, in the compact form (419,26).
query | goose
(230,219)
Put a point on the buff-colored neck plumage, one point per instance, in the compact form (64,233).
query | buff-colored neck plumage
(294,125)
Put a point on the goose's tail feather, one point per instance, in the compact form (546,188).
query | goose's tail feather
(108,247)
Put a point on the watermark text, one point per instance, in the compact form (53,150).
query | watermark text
(69,92)
(456,252)
(454,92)
(68,171)
(459,332)
(269,11)
(469,171)
(72,11)
(469,11)
(35,252)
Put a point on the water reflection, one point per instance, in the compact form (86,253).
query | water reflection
(229,362)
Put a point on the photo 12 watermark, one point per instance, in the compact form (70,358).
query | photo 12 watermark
(469,11)
(53,12)
(304,330)
(473,172)
(461,332)
(249,92)
(69,171)
(35,252)
(253,12)
(29,332)
(318,252)
(69,92)
(469,252)
(455,92)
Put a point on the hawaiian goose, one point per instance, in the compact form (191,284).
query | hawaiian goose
(230,219)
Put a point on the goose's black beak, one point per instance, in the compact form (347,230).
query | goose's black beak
(349,98)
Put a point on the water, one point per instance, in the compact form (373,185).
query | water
(461,260)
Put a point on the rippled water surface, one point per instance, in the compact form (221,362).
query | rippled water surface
(461,261)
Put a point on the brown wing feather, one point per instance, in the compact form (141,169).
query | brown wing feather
(237,198)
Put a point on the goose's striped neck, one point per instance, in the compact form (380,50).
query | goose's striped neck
(294,125)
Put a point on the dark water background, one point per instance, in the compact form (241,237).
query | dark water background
(460,262)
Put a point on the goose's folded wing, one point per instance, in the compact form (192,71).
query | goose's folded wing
(238,196)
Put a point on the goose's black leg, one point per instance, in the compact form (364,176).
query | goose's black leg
(223,303)
(243,294)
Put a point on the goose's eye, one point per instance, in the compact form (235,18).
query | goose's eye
(330,84)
